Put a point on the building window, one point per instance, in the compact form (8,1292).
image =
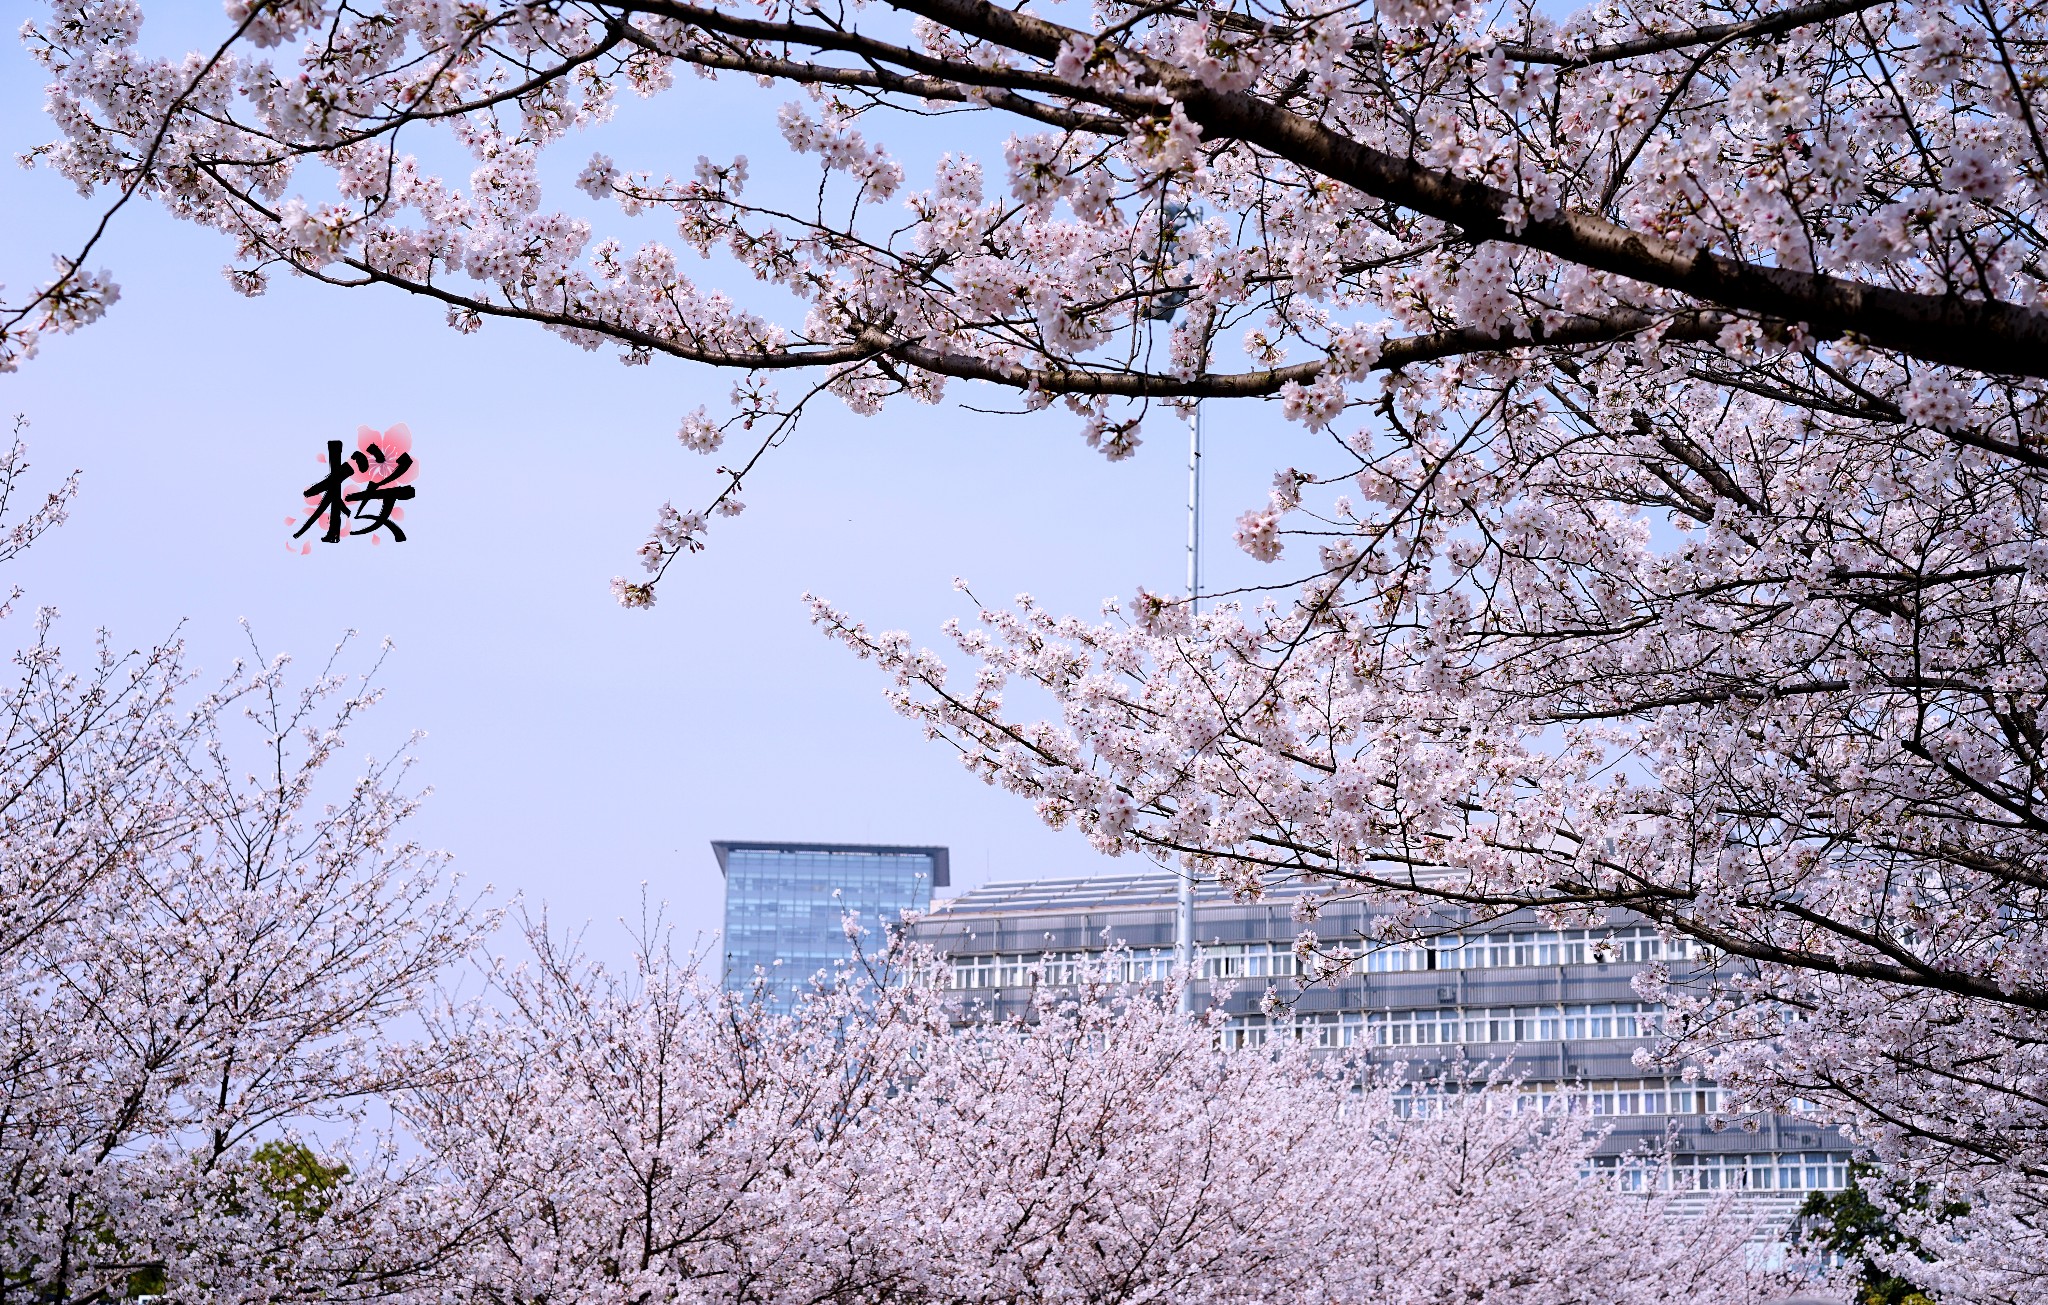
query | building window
(1476,951)
(1765,1172)
(1414,1028)
(1266,961)
(1394,958)
(1591,1021)
(1612,1019)
(973,972)
(1261,960)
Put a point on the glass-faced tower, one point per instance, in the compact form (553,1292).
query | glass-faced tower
(786,904)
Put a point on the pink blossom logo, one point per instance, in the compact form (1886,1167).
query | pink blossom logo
(364,487)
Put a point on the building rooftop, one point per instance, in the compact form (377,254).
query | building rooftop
(722,848)
(1090,893)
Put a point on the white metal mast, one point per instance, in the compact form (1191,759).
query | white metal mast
(1184,911)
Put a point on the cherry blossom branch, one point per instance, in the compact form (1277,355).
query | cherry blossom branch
(929,88)
(1394,354)
(1979,334)
(1784,20)
(70,269)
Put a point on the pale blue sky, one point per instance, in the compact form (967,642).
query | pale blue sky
(576,749)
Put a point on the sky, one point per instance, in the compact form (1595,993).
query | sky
(577,751)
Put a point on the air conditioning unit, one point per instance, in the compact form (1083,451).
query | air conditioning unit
(1447,992)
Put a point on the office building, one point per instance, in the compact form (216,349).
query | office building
(786,905)
(1555,1006)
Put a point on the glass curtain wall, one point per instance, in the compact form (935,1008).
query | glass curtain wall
(786,908)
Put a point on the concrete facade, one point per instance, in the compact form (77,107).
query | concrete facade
(1555,1007)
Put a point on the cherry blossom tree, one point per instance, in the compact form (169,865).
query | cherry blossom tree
(198,969)
(641,1135)
(1677,546)
(201,971)
(194,1012)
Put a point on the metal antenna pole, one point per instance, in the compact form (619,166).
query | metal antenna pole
(1195,510)
(1184,911)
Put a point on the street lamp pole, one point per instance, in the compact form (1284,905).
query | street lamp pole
(1184,910)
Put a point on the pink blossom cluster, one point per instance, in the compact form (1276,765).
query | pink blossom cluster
(1680,542)
(1829,206)
(242,1060)
(640,1134)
